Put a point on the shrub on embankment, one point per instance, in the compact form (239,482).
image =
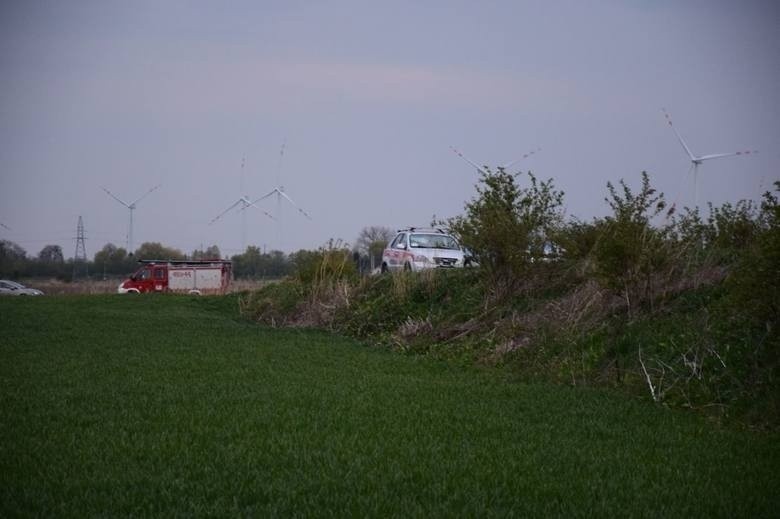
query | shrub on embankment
(682,312)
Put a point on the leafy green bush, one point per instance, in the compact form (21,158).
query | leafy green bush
(507,227)
(630,250)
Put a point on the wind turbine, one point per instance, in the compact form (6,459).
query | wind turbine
(279,192)
(130,206)
(243,202)
(504,167)
(696,161)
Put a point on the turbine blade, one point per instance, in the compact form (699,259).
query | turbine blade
(112,195)
(304,213)
(679,137)
(720,155)
(510,164)
(220,215)
(145,194)
(271,192)
(459,154)
(4,226)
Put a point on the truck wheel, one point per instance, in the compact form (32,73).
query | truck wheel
(194,292)
(384,269)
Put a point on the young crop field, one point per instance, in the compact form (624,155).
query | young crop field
(168,405)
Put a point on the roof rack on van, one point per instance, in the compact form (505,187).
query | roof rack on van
(185,262)
(423,229)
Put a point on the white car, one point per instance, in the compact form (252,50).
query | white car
(416,249)
(12,288)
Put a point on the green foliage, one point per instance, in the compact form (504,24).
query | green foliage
(630,250)
(276,304)
(748,316)
(51,254)
(13,259)
(576,240)
(720,239)
(731,228)
(755,282)
(507,227)
(253,263)
(211,252)
(370,244)
(113,260)
(157,251)
(382,304)
(318,277)
(330,263)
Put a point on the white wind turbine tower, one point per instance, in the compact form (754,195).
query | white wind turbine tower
(504,167)
(243,202)
(131,206)
(279,192)
(697,160)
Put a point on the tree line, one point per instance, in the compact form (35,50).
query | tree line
(114,261)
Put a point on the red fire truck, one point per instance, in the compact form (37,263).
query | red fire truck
(187,277)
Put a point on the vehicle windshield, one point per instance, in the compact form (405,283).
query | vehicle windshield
(433,241)
(142,273)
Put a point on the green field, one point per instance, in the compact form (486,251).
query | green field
(146,406)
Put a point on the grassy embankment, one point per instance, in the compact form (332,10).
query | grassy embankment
(696,345)
(172,405)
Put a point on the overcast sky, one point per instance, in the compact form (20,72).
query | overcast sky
(368,97)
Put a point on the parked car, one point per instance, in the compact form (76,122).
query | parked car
(12,288)
(418,249)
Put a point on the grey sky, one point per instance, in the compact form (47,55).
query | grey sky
(368,97)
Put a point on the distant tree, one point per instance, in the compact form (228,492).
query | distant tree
(113,260)
(370,235)
(156,250)
(50,262)
(249,263)
(372,241)
(253,263)
(279,264)
(51,254)
(211,252)
(13,259)
(10,250)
